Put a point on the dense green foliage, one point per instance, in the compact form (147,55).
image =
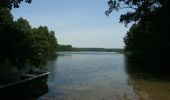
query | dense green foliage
(22,45)
(44,44)
(141,10)
(12,3)
(147,41)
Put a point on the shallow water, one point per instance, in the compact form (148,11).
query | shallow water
(98,76)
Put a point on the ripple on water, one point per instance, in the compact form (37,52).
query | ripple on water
(98,76)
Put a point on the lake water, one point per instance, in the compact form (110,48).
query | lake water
(98,76)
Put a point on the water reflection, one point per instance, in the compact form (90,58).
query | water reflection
(88,76)
(100,76)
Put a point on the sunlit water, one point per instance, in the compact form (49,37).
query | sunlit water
(98,76)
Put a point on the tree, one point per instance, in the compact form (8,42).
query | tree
(141,10)
(6,22)
(23,45)
(147,41)
(44,44)
(15,43)
(12,3)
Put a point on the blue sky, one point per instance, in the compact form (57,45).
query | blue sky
(81,23)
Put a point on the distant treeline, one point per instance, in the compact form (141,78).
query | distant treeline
(64,47)
(70,48)
(98,49)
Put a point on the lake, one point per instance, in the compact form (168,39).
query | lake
(99,76)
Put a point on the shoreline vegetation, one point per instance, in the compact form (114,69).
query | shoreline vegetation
(24,49)
(62,48)
(147,42)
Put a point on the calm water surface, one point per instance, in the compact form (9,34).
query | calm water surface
(98,76)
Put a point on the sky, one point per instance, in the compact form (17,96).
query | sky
(80,23)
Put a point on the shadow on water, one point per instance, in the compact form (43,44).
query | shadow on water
(32,93)
(145,69)
(150,81)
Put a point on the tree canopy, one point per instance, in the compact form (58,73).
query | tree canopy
(12,3)
(140,10)
(147,41)
(22,45)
